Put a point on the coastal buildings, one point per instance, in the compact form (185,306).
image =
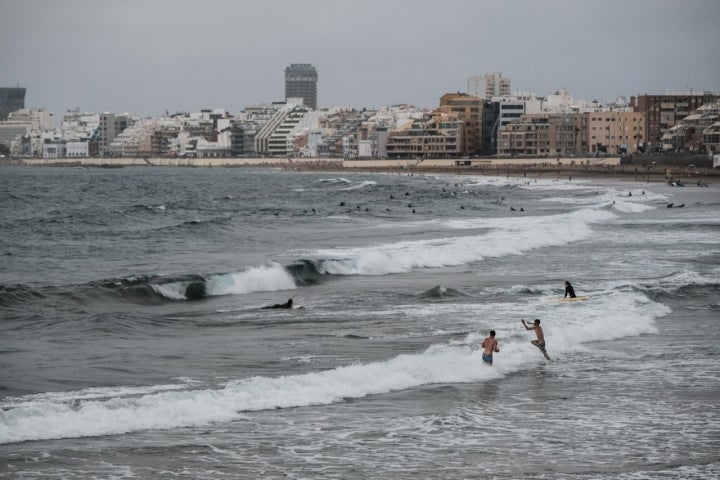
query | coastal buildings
(343,131)
(697,132)
(570,134)
(11,99)
(663,112)
(301,82)
(439,136)
(24,131)
(522,124)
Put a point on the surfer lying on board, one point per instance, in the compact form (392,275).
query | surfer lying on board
(489,345)
(569,290)
(540,342)
(287,304)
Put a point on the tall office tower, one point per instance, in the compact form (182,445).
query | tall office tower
(11,99)
(488,85)
(301,82)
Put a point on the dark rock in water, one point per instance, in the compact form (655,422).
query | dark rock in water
(195,290)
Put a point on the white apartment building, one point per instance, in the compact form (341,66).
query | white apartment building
(38,118)
(512,107)
(488,85)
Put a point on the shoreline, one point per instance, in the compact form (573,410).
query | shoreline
(560,168)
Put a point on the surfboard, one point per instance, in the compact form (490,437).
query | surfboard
(297,307)
(568,299)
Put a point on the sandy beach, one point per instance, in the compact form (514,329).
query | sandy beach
(645,170)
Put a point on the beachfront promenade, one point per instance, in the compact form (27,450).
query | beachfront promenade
(304,162)
(649,171)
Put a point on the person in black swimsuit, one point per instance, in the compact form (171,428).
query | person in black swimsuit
(288,304)
(569,290)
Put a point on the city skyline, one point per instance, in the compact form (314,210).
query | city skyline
(146,58)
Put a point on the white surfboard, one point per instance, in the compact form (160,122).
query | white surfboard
(569,299)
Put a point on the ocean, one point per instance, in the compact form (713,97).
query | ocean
(134,344)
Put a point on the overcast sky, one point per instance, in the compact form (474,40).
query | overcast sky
(150,56)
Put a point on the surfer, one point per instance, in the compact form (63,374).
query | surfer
(288,304)
(569,290)
(489,345)
(540,342)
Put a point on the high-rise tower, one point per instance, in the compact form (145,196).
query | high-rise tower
(301,82)
(488,85)
(11,99)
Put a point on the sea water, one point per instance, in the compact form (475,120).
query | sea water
(134,343)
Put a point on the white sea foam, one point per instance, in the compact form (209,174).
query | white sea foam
(632,207)
(359,185)
(567,328)
(262,278)
(334,180)
(93,393)
(506,237)
(172,291)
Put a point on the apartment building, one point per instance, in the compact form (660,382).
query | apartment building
(529,136)
(440,137)
(111,126)
(488,85)
(663,112)
(694,133)
(569,134)
(276,137)
(616,132)
(469,111)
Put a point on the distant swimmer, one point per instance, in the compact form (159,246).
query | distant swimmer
(540,342)
(569,290)
(489,345)
(288,304)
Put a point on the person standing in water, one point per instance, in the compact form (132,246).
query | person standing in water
(569,290)
(540,342)
(489,345)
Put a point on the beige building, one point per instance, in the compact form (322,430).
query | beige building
(441,137)
(544,135)
(569,134)
(616,132)
(468,110)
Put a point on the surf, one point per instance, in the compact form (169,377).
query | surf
(501,237)
(121,410)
